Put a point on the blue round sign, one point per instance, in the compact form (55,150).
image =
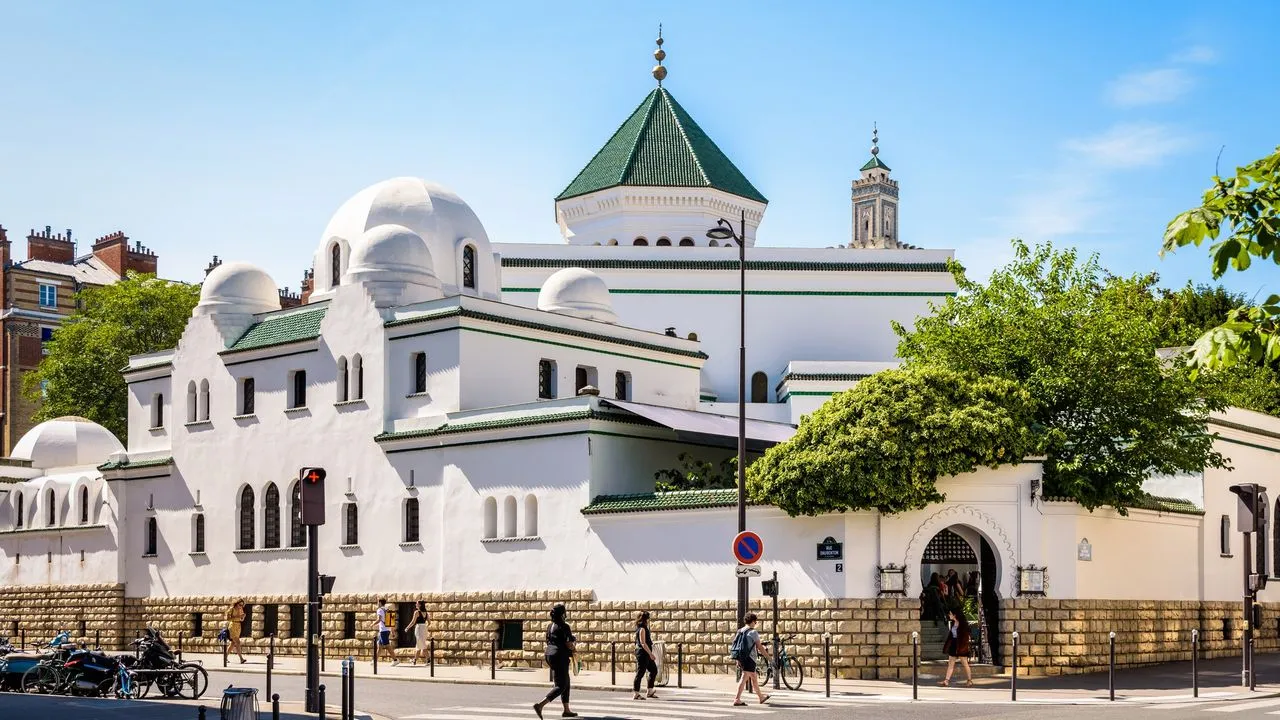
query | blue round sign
(748,548)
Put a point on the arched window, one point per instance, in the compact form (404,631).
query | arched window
(509,517)
(335,265)
(419,373)
(546,379)
(157,411)
(342,379)
(686,242)
(490,517)
(580,380)
(84,505)
(713,243)
(152,537)
(192,413)
(247,396)
(350,525)
(663,242)
(357,372)
(271,517)
(640,241)
(197,530)
(247,533)
(612,241)
(622,385)
(469,267)
(299,399)
(530,516)
(411,524)
(51,515)
(204,400)
(759,388)
(297,531)
(21,519)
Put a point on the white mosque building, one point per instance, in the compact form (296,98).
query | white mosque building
(491,418)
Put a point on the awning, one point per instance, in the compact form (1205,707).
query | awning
(708,428)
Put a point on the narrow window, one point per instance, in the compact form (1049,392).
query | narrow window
(246,519)
(270,620)
(204,400)
(509,517)
(152,537)
(663,242)
(48,295)
(335,265)
(351,526)
(297,620)
(349,625)
(510,634)
(84,505)
(411,520)
(52,513)
(246,396)
(192,413)
(469,267)
(271,517)
(1225,535)
(640,241)
(579,380)
(759,388)
(246,627)
(342,379)
(419,373)
(622,385)
(357,369)
(1275,543)
(713,243)
(686,242)
(530,516)
(197,545)
(297,531)
(546,379)
(490,518)
(299,389)
(21,519)
(197,624)
(157,411)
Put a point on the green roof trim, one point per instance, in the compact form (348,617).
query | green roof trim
(875,163)
(1176,506)
(623,264)
(281,329)
(130,465)
(513,420)
(660,145)
(651,502)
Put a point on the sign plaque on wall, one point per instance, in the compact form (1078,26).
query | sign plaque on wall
(1084,551)
(829,549)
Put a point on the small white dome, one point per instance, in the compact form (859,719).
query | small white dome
(238,287)
(579,293)
(66,442)
(395,266)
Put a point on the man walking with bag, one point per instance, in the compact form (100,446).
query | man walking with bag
(745,649)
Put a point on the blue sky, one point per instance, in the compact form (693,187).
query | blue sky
(237,128)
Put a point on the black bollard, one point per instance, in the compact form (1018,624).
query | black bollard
(1111,669)
(320,701)
(271,660)
(1253,668)
(224,653)
(346,700)
(23,642)
(180,636)
(97,640)
(321,652)
(431,660)
(351,695)
(679,665)
(1195,659)
(200,712)
(375,654)
(275,707)
(613,663)
(493,659)
(826,657)
(1013,681)
(915,665)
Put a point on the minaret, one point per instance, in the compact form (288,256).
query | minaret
(875,203)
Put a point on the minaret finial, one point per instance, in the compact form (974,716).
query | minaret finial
(659,72)
(875,140)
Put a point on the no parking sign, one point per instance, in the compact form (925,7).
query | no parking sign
(748,548)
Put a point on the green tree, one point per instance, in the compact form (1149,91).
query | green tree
(884,443)
(695,474)
(80,375)
(1245,212)
(1083,344)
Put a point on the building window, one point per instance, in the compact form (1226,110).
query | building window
(84,506)
(411,521)
(509,517)
(197,625)
(546,379)
(297,531)
(51,514)
(640,241)
(21,515)
(203,403)
(490,518)
(530,516)
(297,620)
(713,243)
(197,542)
(46,335)
(157,411)
(48,295)
(191,401)
(152,538)
(246,519)
(622,385)
(357,371)
(271,517)
(349,625)
(663,242)
(419,373)
(583,376)
(343,379)
(686,242)
(511,635)
(298,397)
(246,396)
(1275,543)
(759,388)
(1225,535)
(335,265)
(469,267)
(270,620)
(246,627)
(350,525)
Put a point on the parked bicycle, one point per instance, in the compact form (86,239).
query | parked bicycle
(792,667)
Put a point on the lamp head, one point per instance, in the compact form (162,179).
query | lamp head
(722,231)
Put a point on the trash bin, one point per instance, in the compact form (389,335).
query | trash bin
(660,657)
(240,704)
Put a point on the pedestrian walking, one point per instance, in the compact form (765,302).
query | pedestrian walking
(745,649)
(957,648)
(561,646)
(235,621)
(421,631)
(646,661)
(383,645)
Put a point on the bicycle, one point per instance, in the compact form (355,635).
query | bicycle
(792,667)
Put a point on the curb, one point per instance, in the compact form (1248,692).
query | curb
(443,680)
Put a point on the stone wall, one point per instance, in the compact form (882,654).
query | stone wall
(38,612)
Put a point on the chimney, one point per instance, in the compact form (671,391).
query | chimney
(50,247)
(308,278)
(115,252)
(289,300)
(212,264)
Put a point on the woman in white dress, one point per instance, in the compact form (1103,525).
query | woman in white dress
(421,632)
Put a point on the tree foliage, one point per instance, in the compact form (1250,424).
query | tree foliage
(884,443)
(80,374)
(1083,344)
(695,474)
(1244,211)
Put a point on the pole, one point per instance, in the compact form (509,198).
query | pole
(275,706)
(777,661)
(1013,681)
(493,658)
(313,615)
(613,663)
(97,642)
(431,661)
(1195,659)
(1253,674)
(322,652)
(743,589)
(826,658)
(346,688)
(1111,669)
(224,652)
(915,665)
(180,636)
(271,660)
(679,665)
(320,701)
(352,679)
(375,654)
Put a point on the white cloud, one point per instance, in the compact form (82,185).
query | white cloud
(1128,145)
(1196,55)
(1151,87)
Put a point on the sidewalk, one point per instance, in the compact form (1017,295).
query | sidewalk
(1171,682)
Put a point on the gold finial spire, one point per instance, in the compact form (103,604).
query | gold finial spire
(659,72)
(875,140)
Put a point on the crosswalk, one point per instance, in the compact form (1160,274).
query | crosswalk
(1268,706)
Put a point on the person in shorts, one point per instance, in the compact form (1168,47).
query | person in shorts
(747,641)
(384,633)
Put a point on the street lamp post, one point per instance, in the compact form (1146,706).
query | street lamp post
(724,231)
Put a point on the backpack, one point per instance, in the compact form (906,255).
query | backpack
(739,650)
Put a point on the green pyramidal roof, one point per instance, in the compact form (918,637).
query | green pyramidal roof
(659,145)
(874,163)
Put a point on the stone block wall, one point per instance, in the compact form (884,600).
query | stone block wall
(38,612)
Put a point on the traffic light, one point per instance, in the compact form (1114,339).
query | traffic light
(326,584)
(769,588)
(1252,497)
(312,480)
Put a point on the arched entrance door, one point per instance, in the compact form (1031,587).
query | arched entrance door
(961,558)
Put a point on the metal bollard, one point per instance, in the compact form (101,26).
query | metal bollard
(23,642)
(1111,669)
(1253,668)
(275,707)
(180,636)
(915,665)
(431,659)
(613,663)
(320,701)
(351,696)
(321,652)
(679,665)
(271,660)
(1195,659)
(97,641)
(346,700)
(200,712)
(826,658)
(493,659)
(1013,681)
(375,654)
(224,652)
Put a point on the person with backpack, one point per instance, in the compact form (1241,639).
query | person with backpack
(646,661)
(561,645)
(745,649)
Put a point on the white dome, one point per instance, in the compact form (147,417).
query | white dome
(66,442)
(238,287)
(443,221)
(579,293)
(395,266)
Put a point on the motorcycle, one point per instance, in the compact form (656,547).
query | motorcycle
(14,665)
(157,664)
(85,672)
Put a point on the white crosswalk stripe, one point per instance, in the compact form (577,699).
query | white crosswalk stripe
(1241,707)
(690,705)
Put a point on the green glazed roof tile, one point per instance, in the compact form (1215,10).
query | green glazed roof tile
(502,420)
(677,500)
(129,465)
(660,145)
(281,329)
(1177,506)
(875,162)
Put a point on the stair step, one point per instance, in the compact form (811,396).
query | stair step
(938,668)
